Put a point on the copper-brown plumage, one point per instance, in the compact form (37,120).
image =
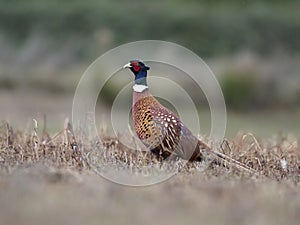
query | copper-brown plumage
(158,127)
(161,130)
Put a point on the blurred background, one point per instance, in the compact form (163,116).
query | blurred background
(252,46)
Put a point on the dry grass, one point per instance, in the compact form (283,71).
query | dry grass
(49,178)
(277,159)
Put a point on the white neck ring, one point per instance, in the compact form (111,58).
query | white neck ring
(140,87)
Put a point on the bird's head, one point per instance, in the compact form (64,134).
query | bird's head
(139,69)
(136,66)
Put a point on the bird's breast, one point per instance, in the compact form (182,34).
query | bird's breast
(156,126)
(144,123)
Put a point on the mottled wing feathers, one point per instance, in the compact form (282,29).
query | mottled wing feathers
(170,126)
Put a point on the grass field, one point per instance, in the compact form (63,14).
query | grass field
(44,179)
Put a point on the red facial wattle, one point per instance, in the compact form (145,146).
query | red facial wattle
(136,68)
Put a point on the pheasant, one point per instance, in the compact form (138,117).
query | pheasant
(157,127)
(162,131)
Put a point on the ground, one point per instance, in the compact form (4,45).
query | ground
(40,195)
(51,182)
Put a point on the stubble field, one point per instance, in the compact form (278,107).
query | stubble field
(48,179)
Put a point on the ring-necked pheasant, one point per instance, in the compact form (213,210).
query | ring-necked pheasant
(158,127)
(162,131)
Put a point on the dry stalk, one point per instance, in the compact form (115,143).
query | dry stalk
(9,135)
(35,139)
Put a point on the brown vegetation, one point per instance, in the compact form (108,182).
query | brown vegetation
(277,159)
(48,179)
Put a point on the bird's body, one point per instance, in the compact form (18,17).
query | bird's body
(161,130)
(158,127)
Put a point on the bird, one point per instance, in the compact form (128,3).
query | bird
(159,129)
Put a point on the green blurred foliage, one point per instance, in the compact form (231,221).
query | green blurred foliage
(108,94)
(6,83)
(206,27)
(209,28)
(240,90)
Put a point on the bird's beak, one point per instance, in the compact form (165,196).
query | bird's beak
(128,65)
